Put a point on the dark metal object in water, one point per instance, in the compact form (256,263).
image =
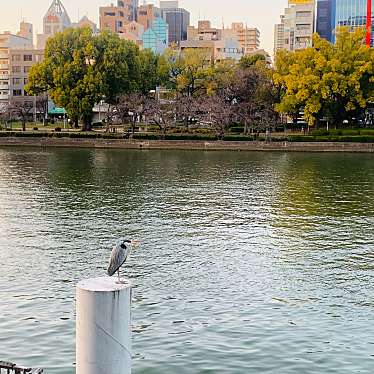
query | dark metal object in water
(9,368)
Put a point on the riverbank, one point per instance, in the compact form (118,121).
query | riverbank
(191,145)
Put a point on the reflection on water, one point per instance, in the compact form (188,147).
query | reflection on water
(250,262)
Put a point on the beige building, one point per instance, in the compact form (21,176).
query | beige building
(115,17)
(133,31)
(295,31)
(17,56)
(248,37)
(146,14)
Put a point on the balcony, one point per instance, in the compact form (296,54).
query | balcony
(4,86)
(4,55)
(4,77)
(4,97)
(4,66)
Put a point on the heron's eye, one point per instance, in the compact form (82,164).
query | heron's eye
(123,246)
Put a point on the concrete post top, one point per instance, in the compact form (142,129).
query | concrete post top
(103,284)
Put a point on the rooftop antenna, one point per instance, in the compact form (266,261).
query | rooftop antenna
(223,24)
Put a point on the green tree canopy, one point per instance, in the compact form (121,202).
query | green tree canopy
(80,69)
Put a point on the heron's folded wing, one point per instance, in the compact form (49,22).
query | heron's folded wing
(117,258)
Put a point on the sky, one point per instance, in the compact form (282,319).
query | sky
(262,14)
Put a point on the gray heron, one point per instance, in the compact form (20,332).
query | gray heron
(120,253)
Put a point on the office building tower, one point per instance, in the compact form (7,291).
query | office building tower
(178,20)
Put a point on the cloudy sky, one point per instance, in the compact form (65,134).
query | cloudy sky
(260,13)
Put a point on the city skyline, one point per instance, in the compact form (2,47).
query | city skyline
(247,11)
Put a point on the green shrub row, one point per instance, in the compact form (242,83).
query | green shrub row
(339,139)
(343,132)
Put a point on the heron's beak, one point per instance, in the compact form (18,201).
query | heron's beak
(135,243)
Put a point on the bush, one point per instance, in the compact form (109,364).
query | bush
(236,129)
(238,138)
(58,129)
(35,129)
(192,137)
(143,136)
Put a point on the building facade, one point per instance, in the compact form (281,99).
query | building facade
(156,38)
(17,56)
(295,31)
(353,14)
(55,20)
(146,14)
(248,37)
(115,17)
(178,20)
(332,14)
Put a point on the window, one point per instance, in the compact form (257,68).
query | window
(25,80)
(17,92)
(16,58)
(27,57)
(16,69)
(26,69)
(110,14)
(16,81)
(120,23)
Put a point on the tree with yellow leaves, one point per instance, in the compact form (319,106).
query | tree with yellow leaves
(331,81)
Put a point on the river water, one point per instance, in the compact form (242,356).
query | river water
(250,262)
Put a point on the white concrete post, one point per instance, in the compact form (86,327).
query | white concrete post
(103,339)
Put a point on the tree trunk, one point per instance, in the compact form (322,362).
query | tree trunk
(23,125)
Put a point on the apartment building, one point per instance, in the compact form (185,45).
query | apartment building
(297,26)
(115,17)
(17,56)
(147,14)
(248,37)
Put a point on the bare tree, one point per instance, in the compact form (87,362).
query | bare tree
(21,110)
(187,109)
(160,112)
(218,111)
(132,107)
(41,106)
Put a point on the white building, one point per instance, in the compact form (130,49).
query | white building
(295,31)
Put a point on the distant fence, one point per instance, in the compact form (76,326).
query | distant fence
(9,368)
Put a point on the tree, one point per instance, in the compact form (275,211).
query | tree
(20,110)
(250,60)
(41,105)
(332,81)
(80,69)
(132,106)
(187,109)
(160,112)
(218,111)
(188,69)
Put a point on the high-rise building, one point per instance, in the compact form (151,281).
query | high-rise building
(55,20)
(178,20)
(332,14)
(296,27)
(353,14)
(279,35)
(115,17)
(146,14)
